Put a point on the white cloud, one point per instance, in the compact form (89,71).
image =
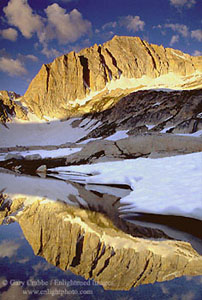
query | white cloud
(50,52)
(8,248)
(57,25)
(24,58)
(174,39)
(14,67)
(14,292)
(9,34)
(181,3)
(159,26)
(197,34)
(41,265)
(197,53)
(132,23)
(32,57)
(20,14)
(180,28)
(109,25)
(63,26)
(78,46)
(164,289)
(189,296)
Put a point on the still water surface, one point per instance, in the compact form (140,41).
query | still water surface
(43,253)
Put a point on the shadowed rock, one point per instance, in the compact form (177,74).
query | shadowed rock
(9,108)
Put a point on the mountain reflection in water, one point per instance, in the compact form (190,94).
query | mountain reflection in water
(79,228)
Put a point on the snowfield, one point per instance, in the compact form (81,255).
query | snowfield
(167,186)
(166,82)
(43,133)
(61,152)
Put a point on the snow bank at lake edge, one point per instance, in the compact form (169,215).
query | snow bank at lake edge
(170,185)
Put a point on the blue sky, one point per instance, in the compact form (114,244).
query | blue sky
(34,32)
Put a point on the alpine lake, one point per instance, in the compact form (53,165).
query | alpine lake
(60,239)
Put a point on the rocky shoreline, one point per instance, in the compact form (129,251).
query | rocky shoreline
(145,145)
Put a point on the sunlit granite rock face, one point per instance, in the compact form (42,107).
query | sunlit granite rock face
(9,108)
(77,75)
(88,244)
(8,206)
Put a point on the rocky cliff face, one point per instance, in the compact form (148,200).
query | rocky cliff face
(148,112)
(58,86)
(9,108)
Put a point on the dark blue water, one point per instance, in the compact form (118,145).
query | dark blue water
(26,276)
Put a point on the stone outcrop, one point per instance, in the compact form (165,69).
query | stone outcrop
(145,145)
(149,111)
(156,145)
(74,75)
(9,108)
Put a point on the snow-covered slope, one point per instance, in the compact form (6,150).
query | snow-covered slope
(139,112)
(42,133)
(170,81)
(168,186)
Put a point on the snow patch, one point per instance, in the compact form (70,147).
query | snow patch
(150,126)
(166,129)
(156,104)
(84,122)
(41,134)
(167,186)
(180,56)
(121,134)
(167,82)
(83,101)
(89,140)
(199,115)
(196,134)
(44,153)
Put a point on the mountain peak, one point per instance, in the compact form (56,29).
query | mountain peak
(74,78)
